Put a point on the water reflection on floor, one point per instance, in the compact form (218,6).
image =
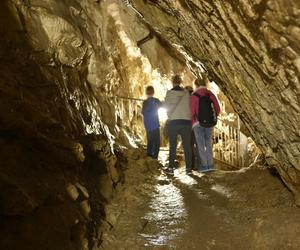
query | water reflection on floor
(182,177)
(166,217)
(222,190)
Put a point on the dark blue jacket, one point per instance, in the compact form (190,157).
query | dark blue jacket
(150,113)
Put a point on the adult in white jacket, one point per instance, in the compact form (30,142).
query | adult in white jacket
(177,103)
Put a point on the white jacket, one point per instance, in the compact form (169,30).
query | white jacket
(182,110)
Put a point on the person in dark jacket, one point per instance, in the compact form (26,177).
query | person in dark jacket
(151,122)
(195,151)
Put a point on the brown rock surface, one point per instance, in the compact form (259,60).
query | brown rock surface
(62,64)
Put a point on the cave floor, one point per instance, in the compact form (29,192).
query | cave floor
(245,209)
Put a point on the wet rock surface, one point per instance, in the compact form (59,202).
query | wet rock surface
(247,209)
(62,131)
(126,210)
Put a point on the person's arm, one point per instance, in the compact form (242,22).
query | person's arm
(170,103)
(194,105)
(159,103)
(166,103)
(216,103)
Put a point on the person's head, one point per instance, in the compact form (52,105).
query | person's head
(176,80)
(189,88)
(201,82)
(149,91)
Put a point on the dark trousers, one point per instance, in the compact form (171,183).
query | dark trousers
(195,153)
(153,143)
(185,132)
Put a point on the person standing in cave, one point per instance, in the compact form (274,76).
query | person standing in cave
(195,151)
(151,122)
(177,103)
(205,110)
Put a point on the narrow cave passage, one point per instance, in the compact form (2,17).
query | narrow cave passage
(74,173)
(232,148)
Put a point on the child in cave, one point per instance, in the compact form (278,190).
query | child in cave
(151,122)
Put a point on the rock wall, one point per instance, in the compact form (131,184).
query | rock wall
(63,130)
(251,49)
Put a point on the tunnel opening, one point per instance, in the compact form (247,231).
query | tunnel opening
(233,145)
(232,148)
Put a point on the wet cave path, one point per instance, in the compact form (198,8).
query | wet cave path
(246,209)
(188,211)
(222,210)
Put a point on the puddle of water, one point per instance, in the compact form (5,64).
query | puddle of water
(167,216)
(222,190)
(185,179)
(163,156)
(202,196)
(196,173)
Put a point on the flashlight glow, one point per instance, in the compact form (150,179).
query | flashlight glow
(162,114)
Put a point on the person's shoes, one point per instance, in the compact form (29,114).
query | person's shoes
(176,164)
(210,168)
(202,169)
(188,171)
(206,170)
(169,171)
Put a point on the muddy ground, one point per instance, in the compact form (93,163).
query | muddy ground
(245,209)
